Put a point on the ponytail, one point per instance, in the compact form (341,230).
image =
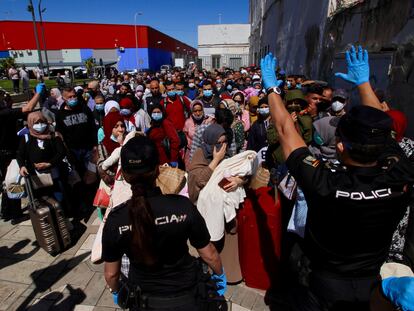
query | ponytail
(142,223)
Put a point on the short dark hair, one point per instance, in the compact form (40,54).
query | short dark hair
(364,153)
(314,89)
(68,89)
(168,83)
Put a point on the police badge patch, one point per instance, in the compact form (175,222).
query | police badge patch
(310,160)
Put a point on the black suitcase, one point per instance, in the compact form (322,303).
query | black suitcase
(48,222)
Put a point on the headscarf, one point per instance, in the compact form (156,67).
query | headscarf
(109,122)
(197,102)
(57,92)
(111,104)
(32,119)
(241,94)
(210,137)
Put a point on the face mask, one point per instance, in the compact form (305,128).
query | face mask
(156,116)
(104,92)
(218,81)
(299,86)
(139,94)
(337,106)
(229,87)
(229,81)
(72,102)
(180,93)
(99,107)
(288,84)
(218,88)
(263,111)
(198,118)
(125,112)
(40,127)
(208,93)
(171,93)
(113,138)
(191,85)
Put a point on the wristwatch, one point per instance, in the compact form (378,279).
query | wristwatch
(273,89)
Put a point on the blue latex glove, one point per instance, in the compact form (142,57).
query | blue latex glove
(173,164)
(268,66)
(101,135)
(400,291)
(358,66)
(221,282)
(40,87)
(115,298)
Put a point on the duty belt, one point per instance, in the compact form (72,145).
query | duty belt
(155,302)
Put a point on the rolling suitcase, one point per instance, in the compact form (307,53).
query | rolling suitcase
(48,222)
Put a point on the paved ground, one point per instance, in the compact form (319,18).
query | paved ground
(31,279)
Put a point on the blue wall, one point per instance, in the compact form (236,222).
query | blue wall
(4,54)
(128,59)
(158,57)
(86,53)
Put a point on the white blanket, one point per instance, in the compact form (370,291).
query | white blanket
(216,205)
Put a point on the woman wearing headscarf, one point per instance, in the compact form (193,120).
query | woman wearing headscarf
(41,151)
(114,131)
(237,124)
(243,113)
(55,100)
(196,119)
(164,135)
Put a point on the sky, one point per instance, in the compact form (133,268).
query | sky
(179,18)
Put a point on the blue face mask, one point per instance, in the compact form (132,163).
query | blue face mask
(180,93)
(156,116)
(218,81)
(288,84)
(125,112)
(72,102)
(171,93)
(113,138)
(208,93)
(299,86)
(99,107)
(263,111)
(40,127)
(229,87)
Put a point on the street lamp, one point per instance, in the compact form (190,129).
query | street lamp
(43,34)
(31,10)
(136,35)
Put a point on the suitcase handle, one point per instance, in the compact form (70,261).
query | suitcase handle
(29,190)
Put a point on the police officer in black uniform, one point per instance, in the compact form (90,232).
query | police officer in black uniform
(152,230)
(353,209)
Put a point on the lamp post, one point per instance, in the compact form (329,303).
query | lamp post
(43,34)
(136,36)
(31,10)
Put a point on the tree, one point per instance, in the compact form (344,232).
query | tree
(6,64)
(89,64)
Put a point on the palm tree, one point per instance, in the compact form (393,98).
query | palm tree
(6,64)
(89,64)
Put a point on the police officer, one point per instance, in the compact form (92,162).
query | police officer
(354,209)
(152,230)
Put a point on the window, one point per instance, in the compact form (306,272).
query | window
(215,61)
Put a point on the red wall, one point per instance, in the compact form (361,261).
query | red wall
(19,35)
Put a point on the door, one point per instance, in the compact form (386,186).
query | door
(215,61)
(235,63)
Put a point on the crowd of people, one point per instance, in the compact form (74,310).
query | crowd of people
(343,172)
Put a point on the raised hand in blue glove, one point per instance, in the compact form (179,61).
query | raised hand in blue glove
(268,66)
(400,291)
(40,87)
(221,282)
(358,66)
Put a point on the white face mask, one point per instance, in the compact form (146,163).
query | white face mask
(40,127)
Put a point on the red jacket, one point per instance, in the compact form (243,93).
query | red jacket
(158,133)
(175,111)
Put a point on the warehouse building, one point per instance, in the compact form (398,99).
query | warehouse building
(128,47)
(223,45)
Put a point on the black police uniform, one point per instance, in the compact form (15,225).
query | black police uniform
(352,214)
(176,220)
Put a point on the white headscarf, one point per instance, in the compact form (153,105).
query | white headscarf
(111,104)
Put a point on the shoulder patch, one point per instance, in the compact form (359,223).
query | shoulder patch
(310,160)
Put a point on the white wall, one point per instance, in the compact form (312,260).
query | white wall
(226,40)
